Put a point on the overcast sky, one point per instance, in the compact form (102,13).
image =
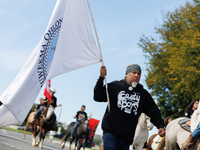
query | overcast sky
(120,25)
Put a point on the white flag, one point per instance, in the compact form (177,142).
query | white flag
(67,44)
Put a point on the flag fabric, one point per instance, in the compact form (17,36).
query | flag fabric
(67,44)
(93,123)
(47,90)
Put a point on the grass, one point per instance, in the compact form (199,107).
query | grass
(16,130)
(22,131)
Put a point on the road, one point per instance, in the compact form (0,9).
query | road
(13,141)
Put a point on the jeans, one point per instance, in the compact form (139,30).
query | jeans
(111,142)
(196,132)
(75,127)
(39,111)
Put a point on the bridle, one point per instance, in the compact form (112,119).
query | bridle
(142,126)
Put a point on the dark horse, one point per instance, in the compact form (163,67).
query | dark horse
(80,135)
(44,127)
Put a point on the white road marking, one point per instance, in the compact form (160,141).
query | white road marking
(12,146)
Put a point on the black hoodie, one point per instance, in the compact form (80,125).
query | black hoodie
(125,108)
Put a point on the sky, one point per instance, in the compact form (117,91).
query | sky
(119,24)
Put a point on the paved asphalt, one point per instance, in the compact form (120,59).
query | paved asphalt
(13,141)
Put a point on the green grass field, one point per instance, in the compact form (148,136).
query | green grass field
(15,130)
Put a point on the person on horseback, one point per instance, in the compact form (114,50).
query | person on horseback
(167,120)
(191,108)
(52,106)
(127,100)
(44,103)
(196,133)
(80,116)
(41,106)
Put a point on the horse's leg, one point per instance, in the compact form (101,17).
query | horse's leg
(33,139)
(34,134)
(84,140)
(75,144)
(79,144)
(27,125)
(66,139)
(198,146)
(39,139)
(70,144)
(42,139)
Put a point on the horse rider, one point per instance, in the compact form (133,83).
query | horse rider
(196,133)
(191,108)
(80,116)
(127,100)
(52,106)
(41,106)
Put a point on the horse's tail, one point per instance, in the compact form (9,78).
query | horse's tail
(161,145)
(70,128)
(63,139)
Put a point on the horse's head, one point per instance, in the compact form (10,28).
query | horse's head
(84,125)
(144,122)
(149,124)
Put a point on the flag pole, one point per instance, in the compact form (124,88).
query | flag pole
(100,54)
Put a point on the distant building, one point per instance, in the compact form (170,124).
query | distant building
(97,136)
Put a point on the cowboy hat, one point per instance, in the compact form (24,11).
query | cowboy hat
(53,90)
(41,99)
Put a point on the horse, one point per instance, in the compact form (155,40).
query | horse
(155,143)
(141,132)
(28,123)
(80,134)
(44,127)
(176,136)
(150,141)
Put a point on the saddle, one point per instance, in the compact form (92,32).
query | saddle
(185,124)
(45,109)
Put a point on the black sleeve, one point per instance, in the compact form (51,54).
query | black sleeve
(77,115)
(100,91)
(187,113)
(152,110)
(86,116)
(54,99)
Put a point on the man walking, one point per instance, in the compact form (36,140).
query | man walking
(128,99)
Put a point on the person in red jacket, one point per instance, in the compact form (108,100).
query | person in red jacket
(128,99)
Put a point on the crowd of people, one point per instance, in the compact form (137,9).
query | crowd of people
(127,99)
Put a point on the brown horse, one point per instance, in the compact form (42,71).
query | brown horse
(44,127)
(28,123)
(152,145)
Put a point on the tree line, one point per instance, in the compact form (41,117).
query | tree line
(174,59)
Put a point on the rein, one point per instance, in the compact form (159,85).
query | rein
(83,128)
(142,126)
(45,117)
